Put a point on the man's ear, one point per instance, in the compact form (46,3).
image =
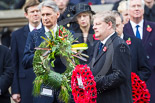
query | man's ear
(109,25)
(26,15)
(58,14)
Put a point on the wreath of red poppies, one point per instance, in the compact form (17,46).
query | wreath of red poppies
(140,93)
(86,92)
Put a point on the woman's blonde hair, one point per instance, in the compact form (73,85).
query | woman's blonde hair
(123,6)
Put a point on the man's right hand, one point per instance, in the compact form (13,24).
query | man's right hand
(16,98)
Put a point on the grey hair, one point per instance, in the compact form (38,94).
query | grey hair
(118,14)
(49,3)
(143,3)
(107,16)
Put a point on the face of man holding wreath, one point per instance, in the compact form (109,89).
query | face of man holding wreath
(50,14)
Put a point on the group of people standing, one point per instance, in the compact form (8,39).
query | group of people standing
(111,58)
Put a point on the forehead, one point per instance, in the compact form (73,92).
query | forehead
(135,2)
(98,20)
(47,9)
(118,20)
(125,12)
(33,8)
(83,13)
(61,0)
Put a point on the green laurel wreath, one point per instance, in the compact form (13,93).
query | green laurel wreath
(58,44)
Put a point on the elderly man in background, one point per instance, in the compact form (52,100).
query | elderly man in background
(144,30)
(139,62)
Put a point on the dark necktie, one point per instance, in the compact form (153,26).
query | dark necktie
(34,29)
(100,47)
(137,32)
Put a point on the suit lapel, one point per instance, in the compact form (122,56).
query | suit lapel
(94,55)
(26,30)
(109,41)
(128,29)
(146,34)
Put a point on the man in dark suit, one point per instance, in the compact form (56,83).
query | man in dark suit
(145,30)
(149,10)
(22,84)
(139,62)
(6,74)
(111,62)
(50,13)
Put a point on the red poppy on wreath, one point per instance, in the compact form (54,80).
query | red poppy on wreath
(128,41)
(90,3)
(140,93)
(149,29)
(83,85)
(105,49)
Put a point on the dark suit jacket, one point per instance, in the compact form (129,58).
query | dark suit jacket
(112,71)
(139,62)
(22,78)
(148,42)
(6,74)
(90,42)
(149,13)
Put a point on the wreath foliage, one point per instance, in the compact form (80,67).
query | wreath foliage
(56,44)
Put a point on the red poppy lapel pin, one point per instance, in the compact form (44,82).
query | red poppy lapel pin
(128,41)
(105,49)
(149,29)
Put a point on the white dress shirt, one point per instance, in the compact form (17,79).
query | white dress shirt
(32,28)
(122,36)
(105,40)
(54,29)
(133,25)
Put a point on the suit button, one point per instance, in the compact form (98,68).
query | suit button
(150,44)
(148,57)
(68,25)
(68,15)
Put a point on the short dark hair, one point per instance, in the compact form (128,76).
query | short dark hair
(31,3)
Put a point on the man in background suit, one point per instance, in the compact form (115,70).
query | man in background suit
(23,79)
(111,62)
(139,62)
(145,30)
(6,74)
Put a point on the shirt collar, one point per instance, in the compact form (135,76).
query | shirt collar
(122,36)
(105,40)
(32,27)
(54,29)
(134,24)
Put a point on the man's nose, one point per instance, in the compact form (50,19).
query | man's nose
(94,27)
(44,17)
